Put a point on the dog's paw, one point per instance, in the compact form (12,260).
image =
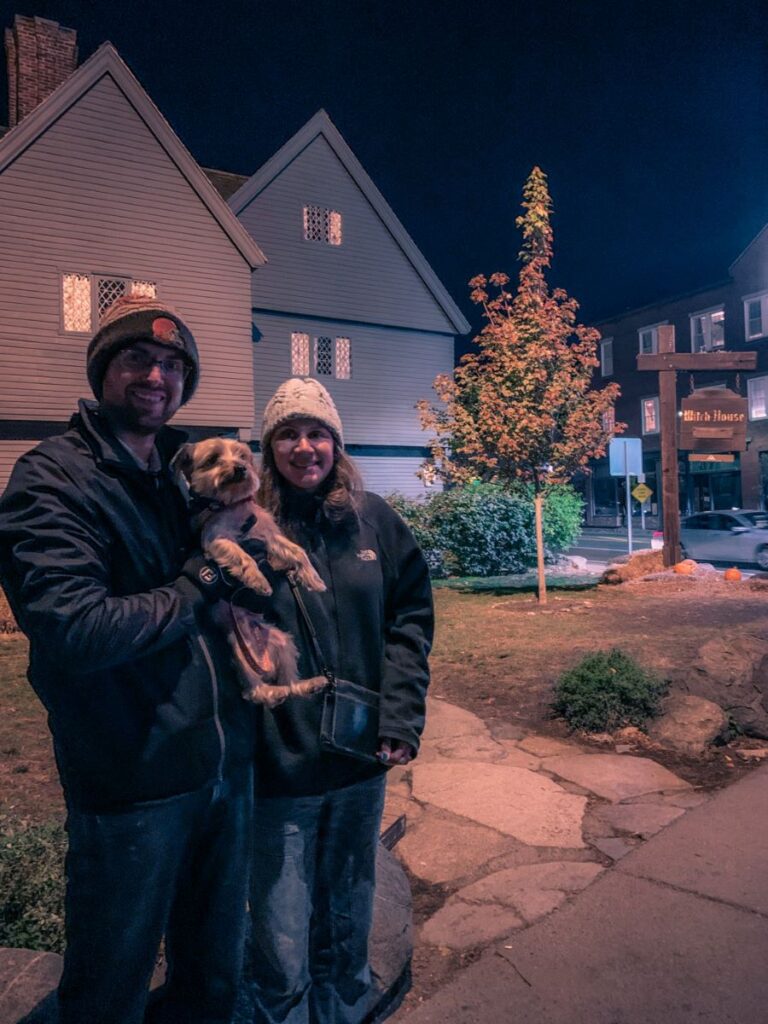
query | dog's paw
(254,579)
(311,580)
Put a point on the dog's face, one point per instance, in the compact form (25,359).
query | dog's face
(219,468)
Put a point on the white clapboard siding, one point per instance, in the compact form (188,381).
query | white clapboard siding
(97,193)
(391,371)
(387,475)
(368,277)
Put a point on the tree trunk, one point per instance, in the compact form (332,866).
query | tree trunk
(537,504)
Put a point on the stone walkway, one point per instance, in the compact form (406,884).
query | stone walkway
(514,824)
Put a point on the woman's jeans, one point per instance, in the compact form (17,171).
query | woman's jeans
(174,867)
(312,890)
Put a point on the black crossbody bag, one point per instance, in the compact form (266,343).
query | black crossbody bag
(350,718)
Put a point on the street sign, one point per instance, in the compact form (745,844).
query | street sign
(625,456)
(712,458)
(642,493)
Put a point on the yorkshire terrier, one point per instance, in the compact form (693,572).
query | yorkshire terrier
(222,481)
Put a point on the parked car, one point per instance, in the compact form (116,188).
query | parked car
(733,535)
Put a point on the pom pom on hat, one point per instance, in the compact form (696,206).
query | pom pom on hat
(138,318)
(301,397)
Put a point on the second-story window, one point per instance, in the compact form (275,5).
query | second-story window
(757,396)
(708,330)
(606,357)
(648,340)
(756,316)
(322,225)
(323,356)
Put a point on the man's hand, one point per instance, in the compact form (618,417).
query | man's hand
(213,582)
(394,751)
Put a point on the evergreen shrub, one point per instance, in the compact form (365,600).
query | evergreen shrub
(488,530)
(608,690)
(32,887)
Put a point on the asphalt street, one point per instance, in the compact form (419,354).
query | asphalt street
(603,545)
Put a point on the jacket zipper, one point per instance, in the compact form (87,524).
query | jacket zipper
(215,692)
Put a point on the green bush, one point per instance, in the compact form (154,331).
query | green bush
(606,691)
(32,887)
(487,529)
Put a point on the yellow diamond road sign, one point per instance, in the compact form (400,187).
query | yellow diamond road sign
(642,493)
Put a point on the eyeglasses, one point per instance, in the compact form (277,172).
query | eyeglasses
(136,360)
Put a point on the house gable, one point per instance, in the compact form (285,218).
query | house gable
(94,182)
(376,275)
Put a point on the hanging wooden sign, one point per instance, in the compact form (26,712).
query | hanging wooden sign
(713,420)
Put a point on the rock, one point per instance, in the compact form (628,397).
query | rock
(446,721)
(759,581)
(643,820)
(514,801)
(27,982)
(615,777)
(532,890)
(640,564)
(688,724)
(614,848)
(460,925)
(443,848)
(733,672)
(544,746)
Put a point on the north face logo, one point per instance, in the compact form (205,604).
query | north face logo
(366,555)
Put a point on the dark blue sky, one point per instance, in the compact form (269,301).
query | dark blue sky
(650,118)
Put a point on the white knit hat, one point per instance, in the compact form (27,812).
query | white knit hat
(301,398)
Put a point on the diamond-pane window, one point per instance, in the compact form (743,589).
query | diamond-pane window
(144,289)
(76,302)
(343,359)
(108,289)
(324,357)
(300,354)
(322,225)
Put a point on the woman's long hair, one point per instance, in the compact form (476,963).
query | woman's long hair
(338,498)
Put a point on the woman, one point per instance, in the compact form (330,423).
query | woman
(318,814)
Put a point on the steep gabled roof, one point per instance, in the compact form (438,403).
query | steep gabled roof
(107,62)
(321,124)
(744,252)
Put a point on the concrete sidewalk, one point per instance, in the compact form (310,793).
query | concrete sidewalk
(675,933)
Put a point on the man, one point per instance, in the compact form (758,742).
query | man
(152,738)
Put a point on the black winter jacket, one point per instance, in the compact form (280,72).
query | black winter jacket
(141,697)
(374,624)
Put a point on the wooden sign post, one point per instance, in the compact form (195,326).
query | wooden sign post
(667,362)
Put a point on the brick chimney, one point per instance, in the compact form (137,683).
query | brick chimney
(41,55)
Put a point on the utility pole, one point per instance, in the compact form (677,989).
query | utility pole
(667,362)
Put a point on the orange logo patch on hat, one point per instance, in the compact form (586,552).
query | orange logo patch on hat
(165,331)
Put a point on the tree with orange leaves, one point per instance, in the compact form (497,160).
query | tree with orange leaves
(522,407)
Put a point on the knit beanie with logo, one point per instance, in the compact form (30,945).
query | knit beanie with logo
(305,398)
(138,318)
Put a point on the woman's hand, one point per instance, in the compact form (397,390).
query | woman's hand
(394,751)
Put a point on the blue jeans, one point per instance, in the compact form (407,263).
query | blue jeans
(176,867)
(312,889)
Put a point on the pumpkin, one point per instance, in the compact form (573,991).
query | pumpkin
(733,574)
(686,567)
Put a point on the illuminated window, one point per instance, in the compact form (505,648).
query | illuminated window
(606,357)
(322,225)
(649,414)
(343,359)
(86,297)
(757,396)
(756,316)
(76,302)
(609,420)
(300,354)
(324,357)
(648,339)
(708,330)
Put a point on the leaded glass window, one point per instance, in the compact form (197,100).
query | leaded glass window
(322,225)
(76,302)
(300,354)
(343,359)
(324,357)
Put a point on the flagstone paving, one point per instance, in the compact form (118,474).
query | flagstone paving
(514,825)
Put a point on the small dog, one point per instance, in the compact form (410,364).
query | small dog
(222,481)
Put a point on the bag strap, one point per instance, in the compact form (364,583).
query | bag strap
(291,577)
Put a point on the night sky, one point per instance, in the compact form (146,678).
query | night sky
(650,119)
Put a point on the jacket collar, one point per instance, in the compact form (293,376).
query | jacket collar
(97,433)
